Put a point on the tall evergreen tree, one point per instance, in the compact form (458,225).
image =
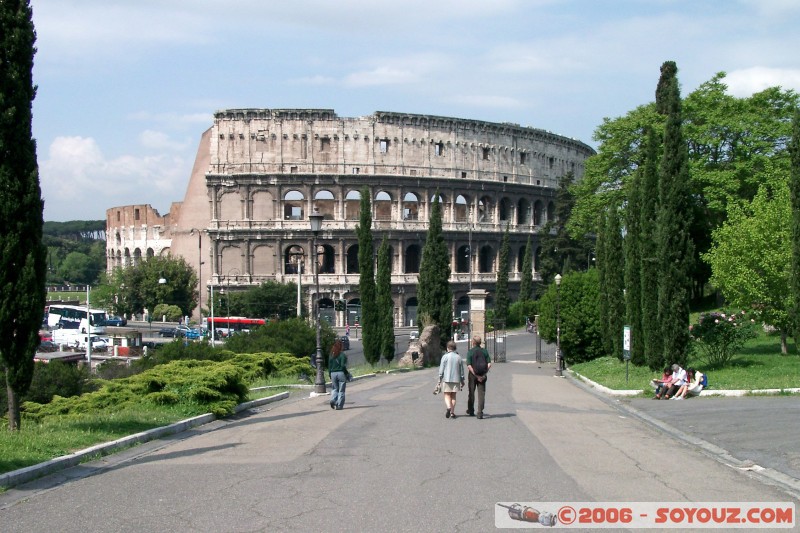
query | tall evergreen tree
(501,288)
(648,252)
(603,266)
(633,268)
(435,296)
(23,258)
(383,288)
(673,234)
(366,282)
(615,280)
(794,187)
(526,281)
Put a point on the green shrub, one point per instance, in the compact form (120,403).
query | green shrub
(519,311)
(294,336)
(172,313)
(719,335)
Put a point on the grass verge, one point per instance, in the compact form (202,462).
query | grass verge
(759,365)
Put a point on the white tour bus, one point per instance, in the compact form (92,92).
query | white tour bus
(74,317)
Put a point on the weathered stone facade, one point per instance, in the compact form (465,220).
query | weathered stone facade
(260,172)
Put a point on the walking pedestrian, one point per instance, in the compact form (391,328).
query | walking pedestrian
(451,377)
(478,364)
(337,367)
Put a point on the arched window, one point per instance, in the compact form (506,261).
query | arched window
(486,259)
(294,259)
(412,259)
(352,259)
(551,212)
(383,206)
(521,258)
(352,205)
(461,211)
(325,202)
(485,210)
(410,206)
(523,212)
(538,207)
(505,210)
(293,206)
(325,256)
(462,259)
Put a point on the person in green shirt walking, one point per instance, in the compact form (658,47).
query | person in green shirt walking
(337,366)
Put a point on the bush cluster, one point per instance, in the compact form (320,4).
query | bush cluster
(719,335)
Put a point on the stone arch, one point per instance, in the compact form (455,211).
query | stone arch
(485,210)
(263,260)
(352,205)
(230,258)
(538,208)
(461,209)
(486,259)
(523,212)
(230,205)
(263,206)
(352,259)
(505,210)
(294,205)
(412,259)
(383,206)
(294,259)
(325,202)
(551,212)
(462,259)
(410,206)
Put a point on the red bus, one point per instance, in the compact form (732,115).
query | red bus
(229,325)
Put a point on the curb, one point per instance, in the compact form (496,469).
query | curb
(29,473)
(711,392)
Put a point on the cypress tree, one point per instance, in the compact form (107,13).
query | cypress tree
(675,246)
(604,310)
(22,254)
(501,289)
(383,288)
(615,280)
(794,187)
(526,283)
(648,252)
(633,268)
(435,296)
(366,282)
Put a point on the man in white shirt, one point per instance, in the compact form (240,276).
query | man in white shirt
(678,380)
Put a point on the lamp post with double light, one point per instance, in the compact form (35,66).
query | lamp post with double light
(558,326)
(315,219)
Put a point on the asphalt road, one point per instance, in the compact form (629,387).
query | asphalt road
(390,461)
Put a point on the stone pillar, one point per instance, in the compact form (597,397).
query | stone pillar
(477,313)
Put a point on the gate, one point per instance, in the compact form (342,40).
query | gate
(496,341)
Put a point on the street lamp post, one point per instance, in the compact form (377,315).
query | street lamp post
(558,326)
(315,219)
(199,272)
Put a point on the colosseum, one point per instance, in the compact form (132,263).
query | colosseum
(259,173)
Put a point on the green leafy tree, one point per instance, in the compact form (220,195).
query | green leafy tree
(794,188)
(78,268)
(648,252)
(501,288)
(526,281)
(23,266)
(157,280)
(383,287)
(294,336)
(576,301)
(435,296)
(271,299)
(759,282)
(673,232)
(560,252)
(370,321)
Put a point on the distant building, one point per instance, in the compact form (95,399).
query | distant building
(259,173)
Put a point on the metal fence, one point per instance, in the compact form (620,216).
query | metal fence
(496,342)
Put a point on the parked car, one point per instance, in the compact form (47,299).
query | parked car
(193,334)
(168,332)
(414,335)
(345,342)
(47,346)
(116,321)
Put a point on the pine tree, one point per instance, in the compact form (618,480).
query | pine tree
(383,288)
(560,253)
(633,268)
(22,254)
(435,296)
(501,288)
(648,252)
(794,187)
(615,280)
(675,246)
(366,282)
(526,281)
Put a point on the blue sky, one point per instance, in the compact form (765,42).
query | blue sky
(126,87)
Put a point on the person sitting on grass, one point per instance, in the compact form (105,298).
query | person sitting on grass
(694,388)
(661,385)
(678,379)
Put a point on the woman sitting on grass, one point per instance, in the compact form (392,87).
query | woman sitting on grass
(692,388)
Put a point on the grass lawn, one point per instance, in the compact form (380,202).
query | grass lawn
(759,365)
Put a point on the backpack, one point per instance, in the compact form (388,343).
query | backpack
(480,364)
(704,381)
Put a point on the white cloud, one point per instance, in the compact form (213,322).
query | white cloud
(161,141)
(78,181)
(745,82)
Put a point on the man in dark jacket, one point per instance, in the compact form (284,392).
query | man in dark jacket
(478,365)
